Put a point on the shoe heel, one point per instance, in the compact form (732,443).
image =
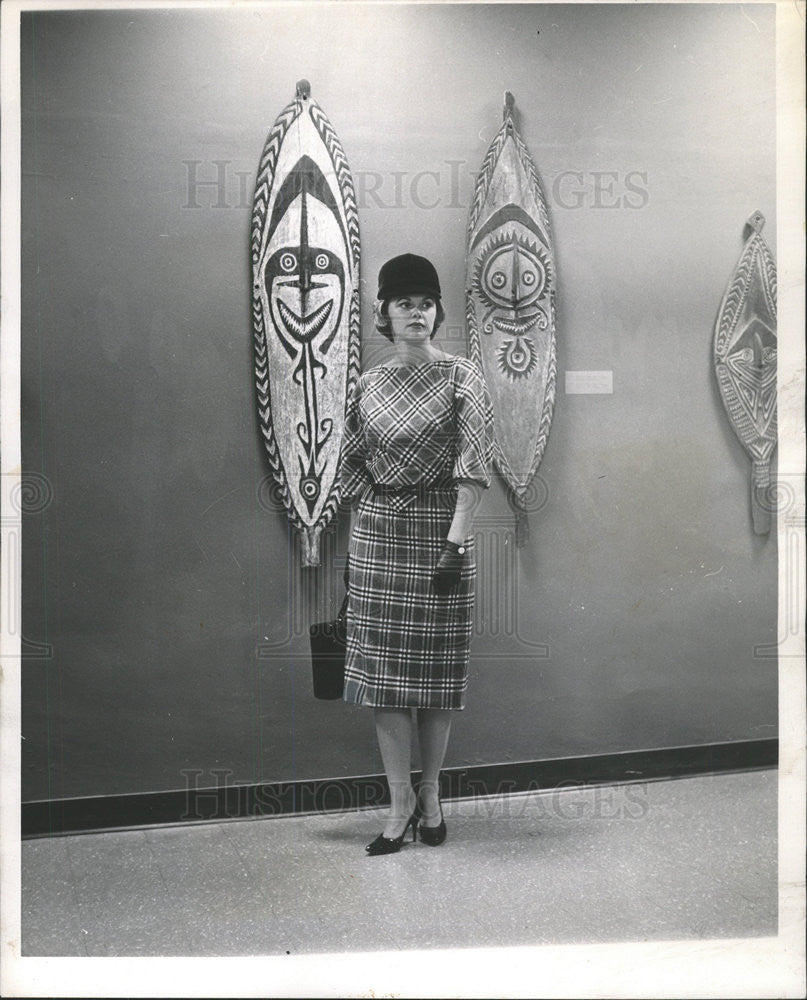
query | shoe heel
(391,845)
(434,836)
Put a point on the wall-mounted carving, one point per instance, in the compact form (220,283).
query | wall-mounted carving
(510,307)
(305,308)
(745,363)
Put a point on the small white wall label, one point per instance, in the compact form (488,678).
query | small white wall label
(593,383)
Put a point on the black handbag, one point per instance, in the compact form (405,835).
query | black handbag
(328,650)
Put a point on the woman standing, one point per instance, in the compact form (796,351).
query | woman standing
(415,456)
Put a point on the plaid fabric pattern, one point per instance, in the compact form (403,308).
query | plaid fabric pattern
(416,426)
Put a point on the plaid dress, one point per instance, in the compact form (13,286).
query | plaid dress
(426,428)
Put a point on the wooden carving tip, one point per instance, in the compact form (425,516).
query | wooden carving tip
(509,103)
(303,89)
(756,221)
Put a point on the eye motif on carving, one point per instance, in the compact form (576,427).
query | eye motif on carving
(511,277)
(517,357)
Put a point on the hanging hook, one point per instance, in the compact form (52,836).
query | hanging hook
(509,103)
(756,221)
(303,90)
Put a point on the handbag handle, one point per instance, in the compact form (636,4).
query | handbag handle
(342,613)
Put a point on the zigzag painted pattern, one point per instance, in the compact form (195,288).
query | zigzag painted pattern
(532,174)
(760,474)
(758,448)
(737,291)
(343,176)
(549,397)
(733,300)
(266,169)
(265,419)
(770,268)
(485,174)
(489,165)
(353,343)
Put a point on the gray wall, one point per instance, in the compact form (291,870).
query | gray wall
(170,593)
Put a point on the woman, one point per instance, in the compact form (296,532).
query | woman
(415,455)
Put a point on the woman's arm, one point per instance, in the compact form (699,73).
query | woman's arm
(473,413)
(468,496)
(448,572)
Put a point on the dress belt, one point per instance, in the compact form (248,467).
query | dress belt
(382,489)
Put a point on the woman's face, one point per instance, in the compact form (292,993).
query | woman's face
(412,317)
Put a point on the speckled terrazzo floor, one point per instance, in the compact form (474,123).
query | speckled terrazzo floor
(691,858)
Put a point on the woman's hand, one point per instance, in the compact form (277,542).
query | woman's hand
(449,566)
(469,494)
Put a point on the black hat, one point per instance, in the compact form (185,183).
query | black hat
(408,273)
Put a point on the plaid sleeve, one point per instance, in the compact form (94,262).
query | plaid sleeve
(473,413)
(353,475)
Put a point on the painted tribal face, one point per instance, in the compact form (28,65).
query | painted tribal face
(511,278)
(305,288)
(305,282)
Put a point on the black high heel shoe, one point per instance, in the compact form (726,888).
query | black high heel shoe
(434,835)
(391,845)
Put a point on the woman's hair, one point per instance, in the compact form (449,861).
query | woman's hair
(384,326)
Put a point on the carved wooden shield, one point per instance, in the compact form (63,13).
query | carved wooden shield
(305,308)
(745,363)
(510,306)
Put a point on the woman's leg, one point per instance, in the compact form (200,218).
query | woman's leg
(434,726)
(393,727)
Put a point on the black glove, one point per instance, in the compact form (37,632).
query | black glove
(447,572)
(346,574)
